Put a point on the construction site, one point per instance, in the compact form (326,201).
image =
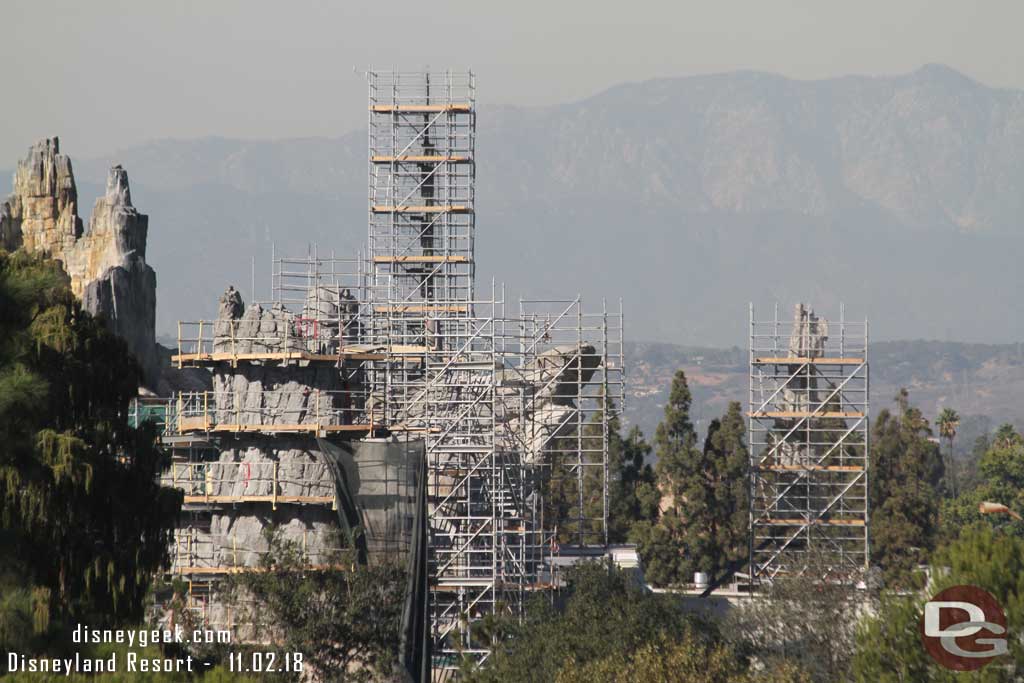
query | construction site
(385,404)
(808,432)
(372,382)
(316,365)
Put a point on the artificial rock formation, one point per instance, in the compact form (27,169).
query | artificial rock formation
(803,393)
(106,263)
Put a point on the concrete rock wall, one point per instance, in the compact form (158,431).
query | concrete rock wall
(106,263)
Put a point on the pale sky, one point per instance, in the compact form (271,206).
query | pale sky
(106,75)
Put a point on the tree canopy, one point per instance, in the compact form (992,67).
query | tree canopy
(606,627)
(905,474)
(83,521)
(1000,479)
(889,644)
(702,525)
(343,617)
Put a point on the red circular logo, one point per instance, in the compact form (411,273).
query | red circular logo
(963,628)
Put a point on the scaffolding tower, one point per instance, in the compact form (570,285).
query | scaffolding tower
(512,407)
(498,395)
(808,425)
(514,403)
(422,137)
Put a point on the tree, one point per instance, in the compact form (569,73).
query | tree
(889,644)
(344,618)
(721,526)
(686,659)
(947,422)
(662,543)
(1000,480)
(703,522)
(83,522)
(573,483)
(632,492)
(1007,436)
(607,624)
(807,621)
(905,474)
(628,476)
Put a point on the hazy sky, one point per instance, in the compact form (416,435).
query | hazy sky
(105,75)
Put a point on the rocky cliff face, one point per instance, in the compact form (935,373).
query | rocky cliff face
(106,263)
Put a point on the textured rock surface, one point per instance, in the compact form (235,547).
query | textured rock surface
(266,394)
(557,375)
(802,394)
(106,263)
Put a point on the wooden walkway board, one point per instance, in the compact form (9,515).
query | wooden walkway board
(800,414)
(420,108)
(288,428)
(408,350)
(200,424)
(191,571)
(413,159)
(811,468)
(295,500)
(205,425)
(802,522)
(433,208)
(797,360)
(221,356)
(420,259)
(424,308)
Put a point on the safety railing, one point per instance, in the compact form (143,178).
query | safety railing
(161,412)
(222,339)
(306,410)
(251,482)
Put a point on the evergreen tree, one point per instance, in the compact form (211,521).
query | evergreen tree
(703,520)
(662,543)
(630,482)
(562,484)
(83,521)
(607,628)
(905,475)
(808,619)
(889,644)
(345,619)
(722,525)
(633,494)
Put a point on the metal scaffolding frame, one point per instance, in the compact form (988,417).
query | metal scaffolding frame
(515,403)
(422,170)
(809,442)
(497,395)
(509,405)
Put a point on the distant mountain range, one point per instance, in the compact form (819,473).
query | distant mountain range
(982,382)
(687,197)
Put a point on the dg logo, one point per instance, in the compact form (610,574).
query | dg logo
(963,628)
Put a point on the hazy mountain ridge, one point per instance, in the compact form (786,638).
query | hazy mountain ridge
(933,147)
(687,197)
(983,382)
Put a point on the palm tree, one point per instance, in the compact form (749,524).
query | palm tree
(947,422)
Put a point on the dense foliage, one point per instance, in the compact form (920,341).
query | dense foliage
(889,644)
(608,628)
(806,621)
(633,494)
(83,522)
(1000,479)
(702,525)
(948,422)
(344,618)
(905,476)
(575,473)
